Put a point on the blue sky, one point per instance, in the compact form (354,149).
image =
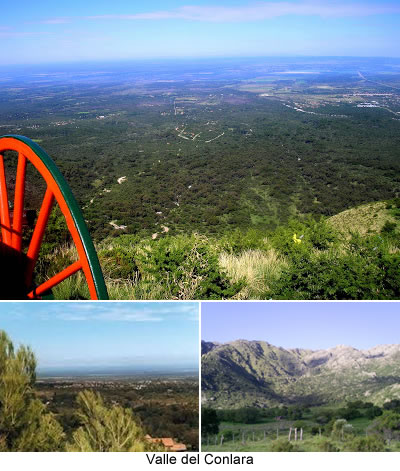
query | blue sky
(49,31)
(105,334)
(303,324)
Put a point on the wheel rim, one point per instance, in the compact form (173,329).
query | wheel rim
(57,190)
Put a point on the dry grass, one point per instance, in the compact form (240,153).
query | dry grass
(368,218)
(257,267)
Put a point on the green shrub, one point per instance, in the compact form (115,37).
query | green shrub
(371,443)
(365,270)
(325,444)
(311,234)
(119,263)
(282,445)
(188,266)
(239,241)
(388,227)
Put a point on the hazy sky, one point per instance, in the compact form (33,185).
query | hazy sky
(105,334)
(303,324)
(50,31)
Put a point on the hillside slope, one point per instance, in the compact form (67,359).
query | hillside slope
(256,373)
(365,219)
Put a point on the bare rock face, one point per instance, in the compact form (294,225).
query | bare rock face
(338,357)
(383,351)
(253,372)
(344,356)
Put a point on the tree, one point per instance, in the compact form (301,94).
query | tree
(209,421)
(394,405)
(107,429)
(373,412)
(247,415)
(295,413)
(388,424)
(341,429)
(25,425)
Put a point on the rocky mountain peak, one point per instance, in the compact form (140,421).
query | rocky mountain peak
(268,373)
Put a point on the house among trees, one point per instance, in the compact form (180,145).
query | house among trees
(169,443)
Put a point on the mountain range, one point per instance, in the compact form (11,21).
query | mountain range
(255,373)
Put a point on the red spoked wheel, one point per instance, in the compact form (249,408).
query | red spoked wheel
(23,262)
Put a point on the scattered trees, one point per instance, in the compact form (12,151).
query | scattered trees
(381,432)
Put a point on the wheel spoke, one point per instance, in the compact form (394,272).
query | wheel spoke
(4,210)
(19,202)
(55,280)
(57,190)
(37,236)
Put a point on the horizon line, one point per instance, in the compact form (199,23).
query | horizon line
(194,58)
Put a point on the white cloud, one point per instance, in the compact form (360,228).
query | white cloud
(22,34)
(113,316)
(122,312)
(103,311)
(56,21)
(259,11)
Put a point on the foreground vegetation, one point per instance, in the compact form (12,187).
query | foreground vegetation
(355,426)
(30,422)
(353,255)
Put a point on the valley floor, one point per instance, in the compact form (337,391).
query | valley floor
(273,436)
